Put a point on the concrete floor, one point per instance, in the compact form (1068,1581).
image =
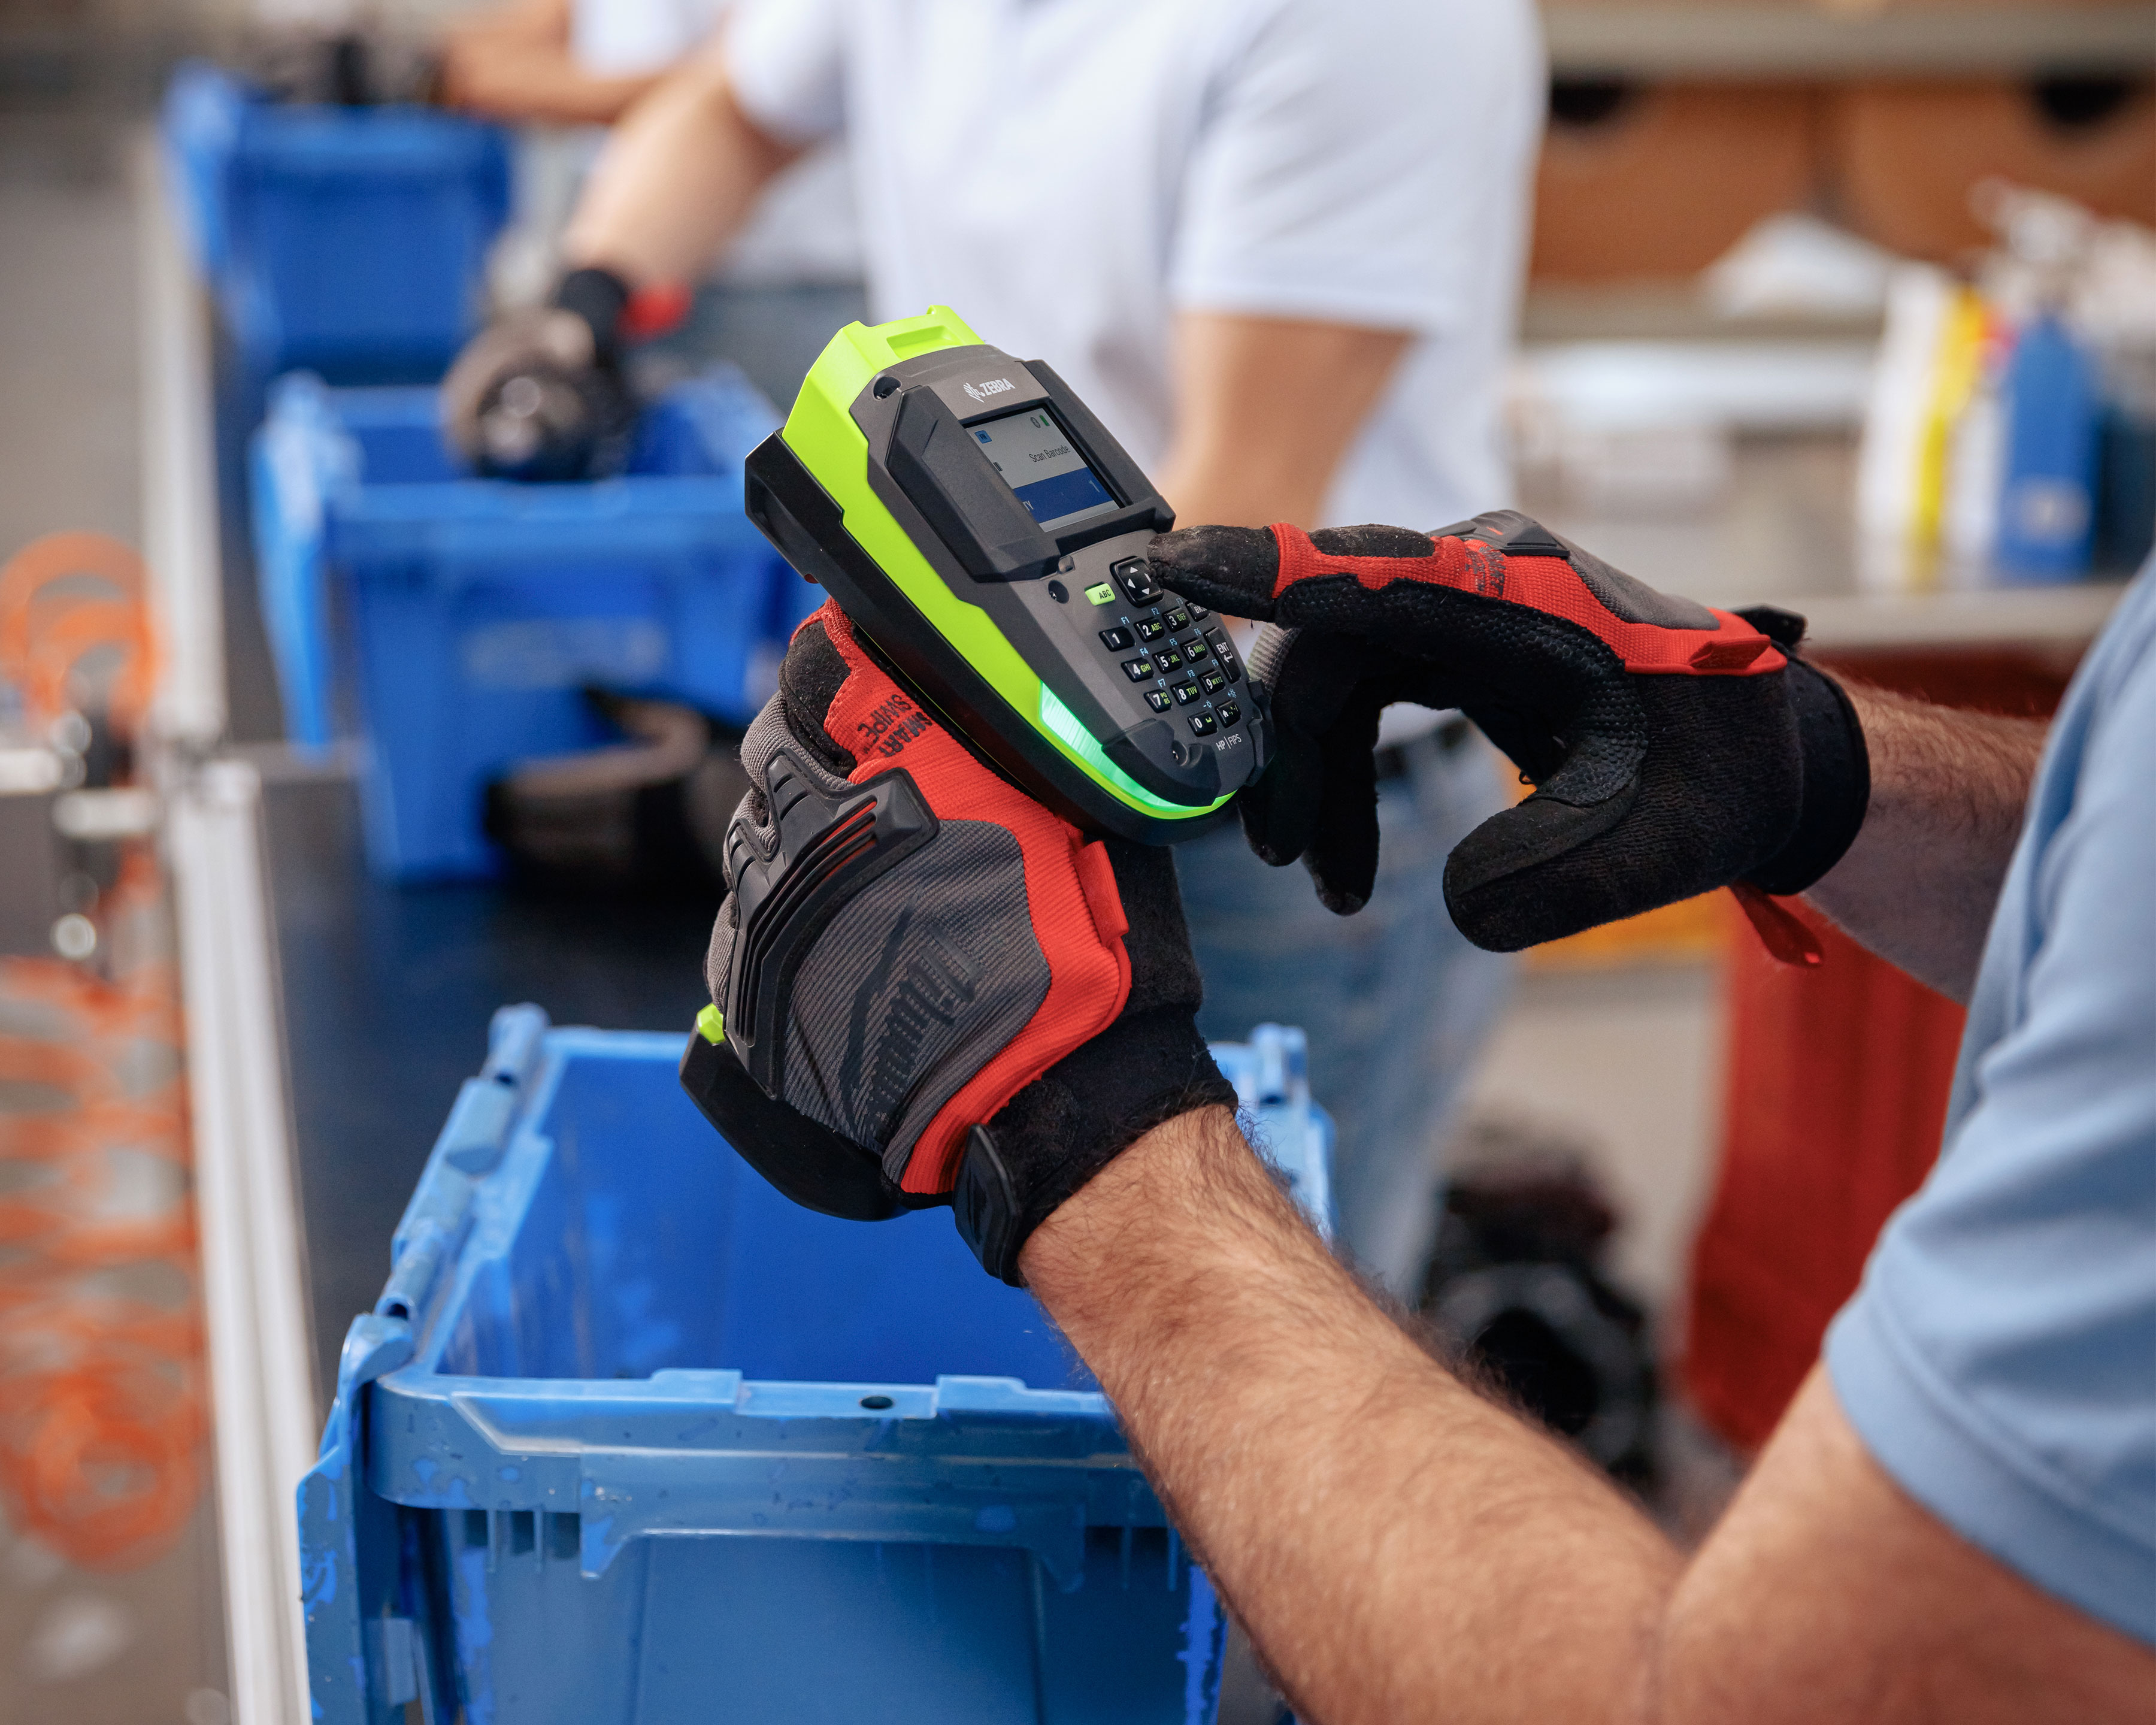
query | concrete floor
(67,439)
(145,1646)
(1624,1065)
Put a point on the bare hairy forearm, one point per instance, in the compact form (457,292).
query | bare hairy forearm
(1399,1549)
(1949,792)
(1403,1551)
(678,178)
(1264,409)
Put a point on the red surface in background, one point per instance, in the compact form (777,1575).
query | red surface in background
(1836,1090)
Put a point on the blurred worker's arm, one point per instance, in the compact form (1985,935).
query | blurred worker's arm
(1949,792)
(678,178)
(540,393)
(1264,409)
(1331,214)
(1401,1549)
(517,64)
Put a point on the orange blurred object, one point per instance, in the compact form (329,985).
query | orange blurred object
(101,1395)
(102,1406)
(1669,178)
(63,599)
(1835,1092)
(1687,933)
(1905,154)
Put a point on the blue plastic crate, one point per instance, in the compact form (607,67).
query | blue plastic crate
(352,241)
(451,622)
(631,1440)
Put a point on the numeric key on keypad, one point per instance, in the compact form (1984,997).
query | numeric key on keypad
(1213,682)
(1185,693)
(1151,628)
(1116,640)
(1168,659)
(1178,619)
(1202,724)
(1195,650)
(1137,670)
(1158,699)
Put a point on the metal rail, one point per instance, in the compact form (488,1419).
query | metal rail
(254,1288)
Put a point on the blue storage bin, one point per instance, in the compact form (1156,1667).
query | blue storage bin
(353,241)
(631,1440)
(451,622)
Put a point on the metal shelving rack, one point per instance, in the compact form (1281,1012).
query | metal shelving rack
(1795,40)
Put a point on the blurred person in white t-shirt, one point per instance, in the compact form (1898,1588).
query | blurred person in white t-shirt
(564,71)
(1277,246)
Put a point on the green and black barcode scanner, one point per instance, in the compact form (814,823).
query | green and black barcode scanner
(986,535)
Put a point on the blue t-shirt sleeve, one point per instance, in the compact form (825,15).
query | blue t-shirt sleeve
(2000,1361)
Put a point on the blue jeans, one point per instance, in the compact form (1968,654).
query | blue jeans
(1395,1002)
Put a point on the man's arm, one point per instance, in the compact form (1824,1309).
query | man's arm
(1400,1549)
(678,178)
(515,65)
(1948,790)
(1264,408)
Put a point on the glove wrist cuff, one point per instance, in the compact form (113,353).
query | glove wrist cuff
(1066,1126)
(601,298)
(1837,782)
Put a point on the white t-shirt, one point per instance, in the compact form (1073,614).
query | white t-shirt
(627,38)
(804,228)
(1066,174)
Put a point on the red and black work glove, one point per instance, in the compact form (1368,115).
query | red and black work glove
(541,394)
(1673,748)
(934,991)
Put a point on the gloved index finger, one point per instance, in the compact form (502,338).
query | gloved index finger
(1230,569)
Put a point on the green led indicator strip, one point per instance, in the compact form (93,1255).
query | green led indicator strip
(1064,726)
(821,431)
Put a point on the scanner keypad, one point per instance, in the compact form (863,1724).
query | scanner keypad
(1182,659)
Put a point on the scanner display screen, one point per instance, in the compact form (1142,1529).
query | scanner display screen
(1036,459)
